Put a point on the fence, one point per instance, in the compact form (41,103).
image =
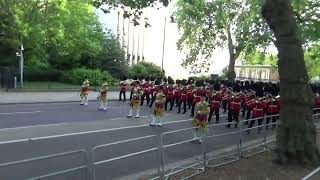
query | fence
(243,147)
(257,79)
(6,78)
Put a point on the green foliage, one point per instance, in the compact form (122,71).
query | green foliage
(112,58)
(312,60)
(96,77)
(46,74)
(145,69)
(57,34)
(257,57)
(207,25)
(200,78)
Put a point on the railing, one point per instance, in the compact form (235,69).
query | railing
(257,79)
(317,170)
(49,157)
(203,159)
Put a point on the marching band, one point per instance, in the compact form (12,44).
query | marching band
(203,99)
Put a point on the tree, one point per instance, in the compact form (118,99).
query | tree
(257,57)
(145,69)
(55,33)
(296,136)
(207,25)
(111,58)
(312,59)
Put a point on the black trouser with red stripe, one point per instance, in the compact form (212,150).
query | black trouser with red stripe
(233,115)
(224,106)
(243,109)
(216,112)
(184,102)
(131,94)
(147,95)
(192,108)
(177,101)
(248,114)
(189,101)
(171,104)
(124,96)
(251,123)
(274,119)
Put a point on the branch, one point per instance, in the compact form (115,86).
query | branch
(298,16)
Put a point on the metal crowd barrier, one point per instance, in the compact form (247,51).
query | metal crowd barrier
(229,157)
(178,169)
(94,149)
(262,147)
(200,166)
(49,157)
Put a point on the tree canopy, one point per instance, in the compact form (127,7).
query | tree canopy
(208,25)
(58,34)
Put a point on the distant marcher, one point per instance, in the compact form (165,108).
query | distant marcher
(158,110)
(135,101)
(200,121)
(103,96)
(123,89)
(84,92)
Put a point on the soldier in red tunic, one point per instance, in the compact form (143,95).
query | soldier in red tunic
(183,100)
(169,97)
(316,103)
(155,90)
(132,87)
(190,92)
(257,112)
(249,105)
(225,96)
(123,89)
(196,98)
(271,110)
(177,94)
(146,92)
(215,101)
(234,105)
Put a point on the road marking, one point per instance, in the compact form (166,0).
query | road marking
(120,118)
(30,112)
(23,127)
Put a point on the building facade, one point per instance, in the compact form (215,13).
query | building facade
(257,73)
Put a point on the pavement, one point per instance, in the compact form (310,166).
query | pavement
(40,129)
(50,97)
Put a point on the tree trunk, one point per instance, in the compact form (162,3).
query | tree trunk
(231,74)
(296,136)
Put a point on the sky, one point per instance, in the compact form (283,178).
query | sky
(153,39)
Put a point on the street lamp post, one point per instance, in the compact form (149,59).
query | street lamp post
(163,44)
(21,62)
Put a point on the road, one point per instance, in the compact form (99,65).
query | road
(37,120)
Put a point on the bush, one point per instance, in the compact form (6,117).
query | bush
(36,74)
(145,69)
(95,76)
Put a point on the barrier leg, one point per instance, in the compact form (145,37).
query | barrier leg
(90,175)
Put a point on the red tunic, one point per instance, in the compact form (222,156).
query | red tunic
(197,96)
(251,103)
(184,95)
(123,87)
(177,93)
(235,104)
(317,102)
(215,102)
(189,94)
(169,94)
(146,89)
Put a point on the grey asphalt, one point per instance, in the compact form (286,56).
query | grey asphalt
(46,97)
(13,118)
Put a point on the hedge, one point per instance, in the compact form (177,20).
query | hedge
(95,76)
